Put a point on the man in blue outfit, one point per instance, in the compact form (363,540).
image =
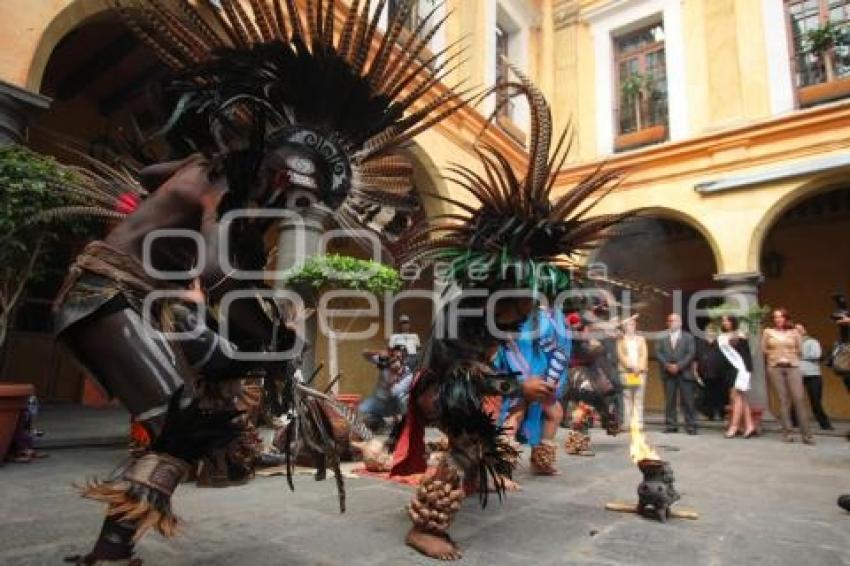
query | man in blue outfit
(539,353)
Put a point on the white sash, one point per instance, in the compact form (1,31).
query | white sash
(742,380)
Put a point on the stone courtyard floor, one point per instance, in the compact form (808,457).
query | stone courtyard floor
(760,502)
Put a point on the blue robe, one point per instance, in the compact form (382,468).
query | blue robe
(526,357)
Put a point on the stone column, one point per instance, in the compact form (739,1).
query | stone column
(745,286)
(294,251)
(17,107)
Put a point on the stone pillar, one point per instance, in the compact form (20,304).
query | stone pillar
(745,286)
(17,107)
(294,251)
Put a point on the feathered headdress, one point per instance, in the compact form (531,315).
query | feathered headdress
(252,76)
(517,235)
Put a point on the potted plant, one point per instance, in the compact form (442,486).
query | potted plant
(819,41)
(28,183)
(823,42)
(637,90)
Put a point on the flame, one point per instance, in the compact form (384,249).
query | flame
(639,449)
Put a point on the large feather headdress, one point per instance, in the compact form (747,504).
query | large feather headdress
(269,73)
(517,234)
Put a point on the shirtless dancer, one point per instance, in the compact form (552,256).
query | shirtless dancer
(286,111)
(100,318)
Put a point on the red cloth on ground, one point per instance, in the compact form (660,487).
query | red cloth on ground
(412,479)
(410,455)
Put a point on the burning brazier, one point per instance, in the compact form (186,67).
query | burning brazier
(657,492)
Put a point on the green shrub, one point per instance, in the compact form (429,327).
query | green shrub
(328,272)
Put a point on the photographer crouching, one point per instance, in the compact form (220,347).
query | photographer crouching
(389,398)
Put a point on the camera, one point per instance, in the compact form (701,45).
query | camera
(383,362)
(842,310)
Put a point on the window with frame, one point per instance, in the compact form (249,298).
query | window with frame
(504,102)
(820,41)
(641,71)
(418,12)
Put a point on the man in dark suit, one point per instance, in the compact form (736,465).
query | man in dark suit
(675,352)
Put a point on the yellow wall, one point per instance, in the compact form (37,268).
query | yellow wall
(731,130)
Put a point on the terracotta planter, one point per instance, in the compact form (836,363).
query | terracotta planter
(646,136)
(351,400)
(13,399)
(823,92)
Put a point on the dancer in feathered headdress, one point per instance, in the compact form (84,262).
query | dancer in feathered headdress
(520,240)
(281,111)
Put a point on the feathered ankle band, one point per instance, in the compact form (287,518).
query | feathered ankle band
(142,494)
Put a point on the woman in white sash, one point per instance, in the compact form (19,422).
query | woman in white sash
(736,364)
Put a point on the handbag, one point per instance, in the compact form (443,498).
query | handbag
(841,358)
(632,379)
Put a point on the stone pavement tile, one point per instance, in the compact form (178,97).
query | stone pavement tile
(761,502)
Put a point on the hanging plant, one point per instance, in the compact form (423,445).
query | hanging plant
(330,272)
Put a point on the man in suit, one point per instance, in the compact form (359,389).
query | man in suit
(675,352)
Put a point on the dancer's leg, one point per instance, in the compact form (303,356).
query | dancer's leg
(143,370)
(552,415)
(432,511)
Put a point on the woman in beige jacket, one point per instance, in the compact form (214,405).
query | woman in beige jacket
(632,358)
(782,347)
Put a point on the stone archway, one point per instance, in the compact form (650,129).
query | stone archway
(94,70)
(75,14)
(105,87)
(667,249)
(670,251)
(804,260)
(795,195)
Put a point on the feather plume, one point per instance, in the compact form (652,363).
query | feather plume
(514,229)
(268,67)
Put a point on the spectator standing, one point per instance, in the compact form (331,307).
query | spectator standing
(676,352)
(734,368)
(408,339)
(782,347)
(716,385)
(633,363)
(812,379)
